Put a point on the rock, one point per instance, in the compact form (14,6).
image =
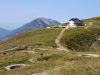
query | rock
(89,55)
(15,66)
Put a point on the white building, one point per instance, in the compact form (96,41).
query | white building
(74,22)
(71,24)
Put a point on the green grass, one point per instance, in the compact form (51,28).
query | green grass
(59,62)
(11,58)
(37,38)
(69,63)
(37,66)
(81,38)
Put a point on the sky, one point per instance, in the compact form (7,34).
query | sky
(15,13)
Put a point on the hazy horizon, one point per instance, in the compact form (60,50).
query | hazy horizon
(15,13)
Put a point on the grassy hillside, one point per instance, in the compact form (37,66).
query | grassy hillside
(95,20)
(76,38)
(52,61)
(82,38)
(37,38)
(59,63)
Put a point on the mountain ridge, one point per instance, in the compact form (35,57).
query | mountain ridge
(33,25)
(3,32)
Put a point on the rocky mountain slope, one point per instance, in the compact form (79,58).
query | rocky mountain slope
(33,25)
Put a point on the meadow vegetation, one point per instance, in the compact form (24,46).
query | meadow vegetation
(81,38)
(51,60)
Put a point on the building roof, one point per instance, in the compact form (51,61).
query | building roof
(77,21)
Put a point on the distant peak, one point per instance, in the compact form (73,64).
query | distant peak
(42,18)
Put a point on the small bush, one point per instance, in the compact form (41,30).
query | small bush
(43,58)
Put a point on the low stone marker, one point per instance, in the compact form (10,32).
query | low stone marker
(15,66)
(89,55)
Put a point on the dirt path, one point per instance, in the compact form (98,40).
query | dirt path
(57,41)
(60,47)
